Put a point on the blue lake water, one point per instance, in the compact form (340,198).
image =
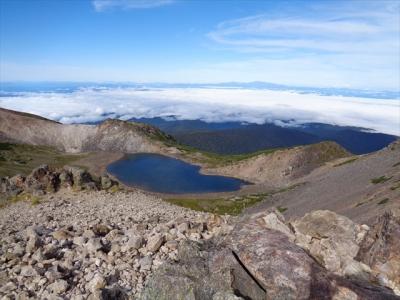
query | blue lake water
(162,174)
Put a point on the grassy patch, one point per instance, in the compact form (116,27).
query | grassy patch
(35,200)
(24,197)
(324,151)
(221,206)
(217,160)
(21,159)
(383,201)
(349,161)
(282,209)
(114,189)
(381,179)
(231,205)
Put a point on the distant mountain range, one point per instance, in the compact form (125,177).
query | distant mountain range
(238,138)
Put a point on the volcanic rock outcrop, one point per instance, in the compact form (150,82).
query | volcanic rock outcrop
(260,259)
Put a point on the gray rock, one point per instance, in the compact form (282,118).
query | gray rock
(146,263)
(66,179)
(94,244)
(380,250)
(79,240)
(80,176)
(106,182)
(28,271)
(225,296)
(134,242)
(98,282)
(333,240)
(155,242)
(33,243)
(58,287)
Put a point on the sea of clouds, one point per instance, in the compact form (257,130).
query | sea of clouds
(208,104)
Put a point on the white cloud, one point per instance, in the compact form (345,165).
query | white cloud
(360,29)
(215,105)
(102,5)
(350,40)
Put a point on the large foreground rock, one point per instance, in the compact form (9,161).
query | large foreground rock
(256,260)
(381,251)
(332,240)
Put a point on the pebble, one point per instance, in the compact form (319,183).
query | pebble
(74,244)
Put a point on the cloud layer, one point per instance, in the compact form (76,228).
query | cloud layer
(213,105)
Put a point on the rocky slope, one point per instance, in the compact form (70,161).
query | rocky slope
(101,245)
(282,166)
(360,187)
(319,256)
(111,135)
(128,245)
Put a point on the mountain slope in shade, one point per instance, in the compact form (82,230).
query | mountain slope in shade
(247,139)
(356,140)
(239,138)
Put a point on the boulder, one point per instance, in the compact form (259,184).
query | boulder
(134,242)
(283,269)
(98,282)
(33,243)
(62,234)
(80,176)
(380,249)
(8,188)
(273,219)
(333,240)
(18,181)
(189,279)
(101,229)
(94,244)
(106,182)
(66,179)
(41,180)
(155,242)
(256,262)
(58,287)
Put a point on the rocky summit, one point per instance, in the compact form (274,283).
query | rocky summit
(91,244)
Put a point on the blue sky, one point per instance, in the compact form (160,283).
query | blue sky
(325,43)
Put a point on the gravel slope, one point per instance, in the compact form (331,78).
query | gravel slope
(78,245)
(346,189)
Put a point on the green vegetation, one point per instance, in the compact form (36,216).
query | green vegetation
(282,209)
(383,201)
(324,151)
(346,162)
(217,160)
(114,189)
(381,179)
(231,205)
(21,159)
(221,206)
(34,200)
